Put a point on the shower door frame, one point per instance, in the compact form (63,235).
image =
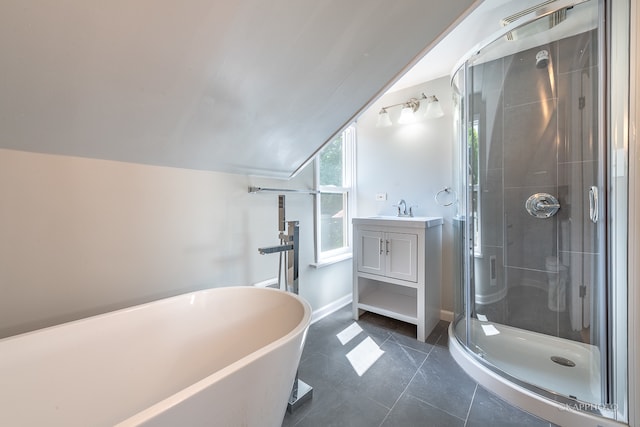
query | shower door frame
(621,143)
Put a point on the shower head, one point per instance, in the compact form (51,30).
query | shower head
(542,59)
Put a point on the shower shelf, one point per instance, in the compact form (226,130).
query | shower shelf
(396,269)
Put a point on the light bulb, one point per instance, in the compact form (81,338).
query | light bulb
(406,115)
(383,119)
(434,110)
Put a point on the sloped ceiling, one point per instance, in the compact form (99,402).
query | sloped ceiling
(243,86)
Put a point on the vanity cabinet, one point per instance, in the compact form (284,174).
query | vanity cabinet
(378,258)
(397,269)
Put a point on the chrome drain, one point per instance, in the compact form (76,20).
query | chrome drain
(563,361)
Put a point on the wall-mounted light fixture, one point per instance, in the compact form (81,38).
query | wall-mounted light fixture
(409,113)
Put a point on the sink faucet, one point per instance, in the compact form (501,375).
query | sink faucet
(402,208)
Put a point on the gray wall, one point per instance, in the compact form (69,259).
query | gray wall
(410,162)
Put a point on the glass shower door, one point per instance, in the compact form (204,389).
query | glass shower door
(534,205)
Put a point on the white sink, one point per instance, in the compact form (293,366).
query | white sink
(399,218)
(428,221)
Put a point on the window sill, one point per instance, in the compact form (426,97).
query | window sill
(333,260)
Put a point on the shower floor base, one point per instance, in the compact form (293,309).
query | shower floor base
(527,355)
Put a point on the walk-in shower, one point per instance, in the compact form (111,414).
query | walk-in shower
(538,213)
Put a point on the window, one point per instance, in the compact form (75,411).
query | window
(334,180)
(476,199)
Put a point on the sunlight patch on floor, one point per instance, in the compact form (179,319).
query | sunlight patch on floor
(364,355)
(349,333)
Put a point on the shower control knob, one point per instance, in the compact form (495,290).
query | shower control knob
(542,205)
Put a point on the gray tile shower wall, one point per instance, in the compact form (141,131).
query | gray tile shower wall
(579,52)
(579,168)
(529,240)
(525,83)
(531,144)
(537,131)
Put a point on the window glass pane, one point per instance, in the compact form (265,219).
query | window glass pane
(331,163)
(332,217)
(476,200)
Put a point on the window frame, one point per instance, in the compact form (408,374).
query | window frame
(347,189)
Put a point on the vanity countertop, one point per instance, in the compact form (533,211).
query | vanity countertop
(400,221)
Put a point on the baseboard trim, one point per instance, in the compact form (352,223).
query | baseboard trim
(446,315)
(328,309)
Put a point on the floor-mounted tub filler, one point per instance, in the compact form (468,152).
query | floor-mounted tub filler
(224,356)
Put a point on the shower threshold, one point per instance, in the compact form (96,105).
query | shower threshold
(533,358)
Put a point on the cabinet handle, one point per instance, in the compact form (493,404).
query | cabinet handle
(380,246)
(387,247)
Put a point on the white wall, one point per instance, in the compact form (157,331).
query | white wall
(83,236)
(410,162)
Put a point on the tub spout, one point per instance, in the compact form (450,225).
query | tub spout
(289,247)
(275,249)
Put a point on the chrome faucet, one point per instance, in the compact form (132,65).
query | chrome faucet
(402,208)
(290,242)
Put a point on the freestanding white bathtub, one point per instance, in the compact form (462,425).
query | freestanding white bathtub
(220,357)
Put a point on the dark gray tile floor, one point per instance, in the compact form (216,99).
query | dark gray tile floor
(410,384)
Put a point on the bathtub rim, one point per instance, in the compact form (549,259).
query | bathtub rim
(160,300)
(200,385)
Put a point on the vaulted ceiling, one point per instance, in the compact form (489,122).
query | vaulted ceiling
(243,86)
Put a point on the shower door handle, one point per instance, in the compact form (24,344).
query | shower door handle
(593,203)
